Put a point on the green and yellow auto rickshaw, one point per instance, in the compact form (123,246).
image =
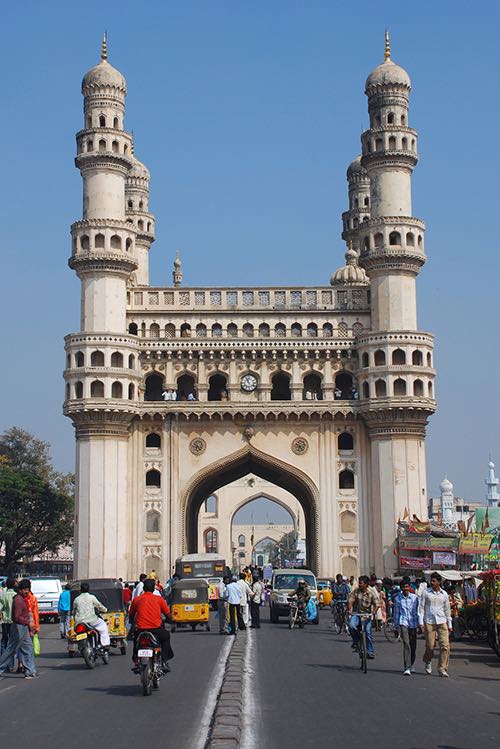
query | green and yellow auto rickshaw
(110,593)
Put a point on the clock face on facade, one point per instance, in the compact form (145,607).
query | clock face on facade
(248,383)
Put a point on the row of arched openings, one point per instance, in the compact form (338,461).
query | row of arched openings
(311,330)
(399,388)
(97,390)
(97,359)
(398,358)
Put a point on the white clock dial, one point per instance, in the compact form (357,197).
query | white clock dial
(248,383)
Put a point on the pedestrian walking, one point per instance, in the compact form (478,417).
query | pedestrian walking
(257,590)
(21,633)
(434,618)
(63,609)
(222,604)
(406,623)
(246,596)
(234,601)
(7,595)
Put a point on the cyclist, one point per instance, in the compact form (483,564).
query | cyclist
(362,600)
(341,590)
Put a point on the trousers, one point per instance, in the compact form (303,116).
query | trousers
(255,614)
(409,640)
(444,644)
(353,631)
(222,610)
(101,627)
(235,617)
(163,637)
(63,622)
(245,614)
(20,641)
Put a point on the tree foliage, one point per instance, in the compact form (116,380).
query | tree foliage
(36,502)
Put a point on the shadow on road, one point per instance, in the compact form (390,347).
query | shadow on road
(125,690)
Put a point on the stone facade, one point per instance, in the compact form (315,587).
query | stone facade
(322,391)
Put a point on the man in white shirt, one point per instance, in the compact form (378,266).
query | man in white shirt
(246,596)
(234,601)
(434,617)
(222,604)
(139,588)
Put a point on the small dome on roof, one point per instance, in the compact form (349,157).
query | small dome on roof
(491,464)
(138,169)
(446,485)
(103,74)
(351,273)
(387,74)
(355,169)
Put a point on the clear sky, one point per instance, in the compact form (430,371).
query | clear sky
(261,511)
(247,114)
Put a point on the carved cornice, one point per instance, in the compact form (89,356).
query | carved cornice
(397,416)
(105,160)
(292,411)
(393,158)
(96,423)
(377,262)
(108,262)
(411,337)
(103,223)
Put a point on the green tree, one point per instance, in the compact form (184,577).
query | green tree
(286,549)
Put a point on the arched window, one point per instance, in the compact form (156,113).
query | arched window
(366,390)
(410,239)
(116,359)
(248,330)
(154,387)
(152,522)
(241,540)
(392,143)
(264,330)
(185,330)
(116,242)
(379,358)
(102,145)
(211,504)
(348,522)
(201,330)
(97,389)
(380,388)
(99,241)
(346,479)
(296,330)
(399,386)
(366,202)
(312,387)
(429,360)
(131,361)
(79,359)
(342,330)
(154,330)
(394,238)
(356,202)
(379,240)
(115,147)
(312,330)
(185,387)
(141,205)
(418,388)
(153,478)
(419,240)
(143,330)
(170,330)
(116,390)
(210,538)
(417,358)
(78,389)
(153,440)
(217,385)
(97,359)
(365,360)
(130,204)
(90,145)
(404,144)
(280,330)
(132,328)
(280,390)
(390,118)
(131,392)
(346,441)
(349,567)
(430,390)
(366,243)
(115,123)
(357,329)
(344,386)
(140,224)
(398,357)
(403,120)
(232,330)
(102,121)
(327,330)
(379,144)
(216,330)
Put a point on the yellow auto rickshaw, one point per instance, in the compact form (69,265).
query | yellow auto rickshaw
(325,594)
(110,593)
(189,604)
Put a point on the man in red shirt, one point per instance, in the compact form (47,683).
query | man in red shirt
(146,612)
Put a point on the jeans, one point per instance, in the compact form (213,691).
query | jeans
(353,631)
(5,643)
(163,637)
(20,641)
(255,614)
(63,622)
(409,638)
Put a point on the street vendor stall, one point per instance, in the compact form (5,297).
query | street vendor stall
(469,618)
(491,585)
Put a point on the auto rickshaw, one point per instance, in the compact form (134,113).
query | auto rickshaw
(110,593)
(325,594)
(189,604)
(491,587)
(213,591)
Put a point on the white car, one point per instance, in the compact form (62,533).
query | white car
(47,591)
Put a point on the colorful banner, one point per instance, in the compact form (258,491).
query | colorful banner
(420,526)
(493,521)
(424,541)
(475,543)
(446,558)
(415,563)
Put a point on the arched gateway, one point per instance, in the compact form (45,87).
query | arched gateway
(234,466)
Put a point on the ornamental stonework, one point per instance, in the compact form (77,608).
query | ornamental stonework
(198,446)
(300,446)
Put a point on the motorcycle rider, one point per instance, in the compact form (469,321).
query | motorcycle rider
(85,610)
(146,612)
(302,594)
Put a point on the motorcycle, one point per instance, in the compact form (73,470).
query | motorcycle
(297,614)
(149,661)
(89,645)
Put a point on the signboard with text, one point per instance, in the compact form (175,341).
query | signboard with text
(445,558)
(415,563)
(475,543)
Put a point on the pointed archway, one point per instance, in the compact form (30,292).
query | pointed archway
(267,467)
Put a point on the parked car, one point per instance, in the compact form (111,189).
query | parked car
(284,584)
(47,591)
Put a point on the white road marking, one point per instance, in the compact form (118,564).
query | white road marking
(214,686)
(250,712)
(486,696)
(7,689)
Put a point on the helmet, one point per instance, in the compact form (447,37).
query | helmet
(302,581)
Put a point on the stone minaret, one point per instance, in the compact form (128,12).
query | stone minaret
(492,495)
(137,212)
(102,373)
(396,358)
(447,501)
(359,202)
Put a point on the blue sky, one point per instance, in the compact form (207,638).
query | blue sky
(247,115)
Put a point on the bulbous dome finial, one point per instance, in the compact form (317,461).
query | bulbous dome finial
(388,73)
(446,485)
(103,75)
(351,274)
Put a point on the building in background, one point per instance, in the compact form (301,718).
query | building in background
(492,495)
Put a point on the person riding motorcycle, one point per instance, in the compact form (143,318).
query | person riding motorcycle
(85,608)
(302,594)
(146,613)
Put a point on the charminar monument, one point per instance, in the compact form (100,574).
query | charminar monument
(178,392)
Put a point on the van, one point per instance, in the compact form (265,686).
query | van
(284,584)
(47,591)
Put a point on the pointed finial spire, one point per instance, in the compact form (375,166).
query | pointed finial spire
(177,272)
(387,53)
(132,144)
(104,47)
(349,244)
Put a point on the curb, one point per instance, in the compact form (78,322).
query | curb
(227,720)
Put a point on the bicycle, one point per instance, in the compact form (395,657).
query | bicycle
(339,616)
(362,643)
(390,632)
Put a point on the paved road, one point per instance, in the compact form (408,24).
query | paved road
(306,690)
